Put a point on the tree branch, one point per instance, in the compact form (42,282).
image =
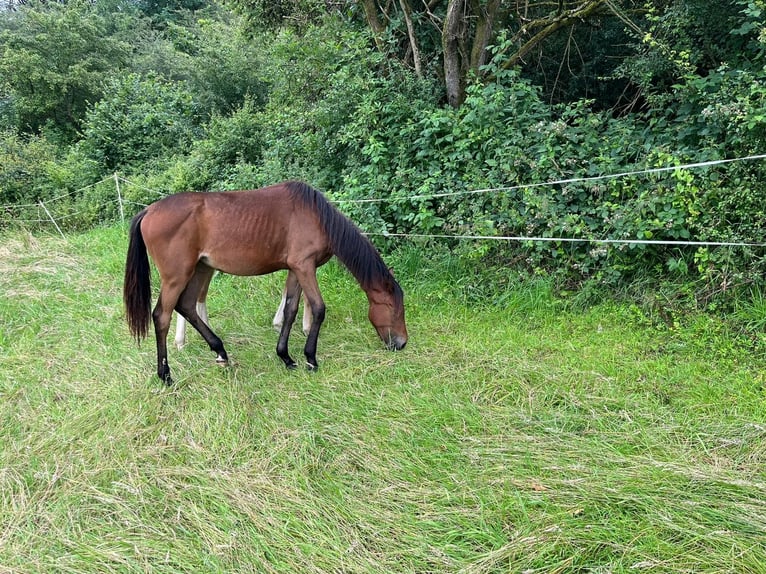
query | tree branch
(413,39)
(551,25)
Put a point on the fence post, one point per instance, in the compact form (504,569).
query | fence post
(119,197)
(53,220)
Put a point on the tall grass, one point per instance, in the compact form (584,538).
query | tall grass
(511,435)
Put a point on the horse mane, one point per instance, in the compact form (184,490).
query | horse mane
(347,242)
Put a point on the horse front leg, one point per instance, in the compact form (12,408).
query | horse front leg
(315,302)
(292,295)
(279,316)
(310,350)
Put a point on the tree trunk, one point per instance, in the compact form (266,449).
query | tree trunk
(452,33)
(485,18)
(413,39)
(371,13)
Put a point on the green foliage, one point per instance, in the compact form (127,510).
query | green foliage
(218,61)
(164,10)
(687,39)
(230,145)
(204,106)
(53,61)
(504,139)
(23,164)
(317,83)
(33,169)
(140,120)
(266,15)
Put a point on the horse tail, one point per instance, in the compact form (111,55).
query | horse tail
(137,292)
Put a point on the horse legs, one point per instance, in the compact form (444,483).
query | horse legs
(188,306)
(292,294)
(279,316)
(278,321)
(308,281)
(161,315)
(180,338)
(182,294)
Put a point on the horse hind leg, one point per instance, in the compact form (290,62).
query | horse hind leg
(279,316)
(180,338)
(191,306)
(202,312)
(161,315)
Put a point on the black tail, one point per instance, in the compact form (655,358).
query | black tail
(137,292)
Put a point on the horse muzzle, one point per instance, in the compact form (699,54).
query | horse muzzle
(396,343)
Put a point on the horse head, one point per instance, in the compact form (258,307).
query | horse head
(386,313)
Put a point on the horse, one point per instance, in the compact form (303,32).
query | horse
(289,225)
(277,321)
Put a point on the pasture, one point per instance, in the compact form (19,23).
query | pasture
(513,434)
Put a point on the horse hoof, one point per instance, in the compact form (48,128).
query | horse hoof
(288,361)
(312,368)
(220,361)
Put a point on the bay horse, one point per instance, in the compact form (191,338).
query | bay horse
(289,226)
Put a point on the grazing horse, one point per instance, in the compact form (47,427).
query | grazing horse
(285,226)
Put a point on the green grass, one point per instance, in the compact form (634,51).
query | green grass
(511,435)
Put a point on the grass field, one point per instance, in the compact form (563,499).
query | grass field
(511,435)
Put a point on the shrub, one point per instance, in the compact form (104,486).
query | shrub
(53,58)
(33,170)
(140,120)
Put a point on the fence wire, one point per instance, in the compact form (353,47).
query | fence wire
(46,212)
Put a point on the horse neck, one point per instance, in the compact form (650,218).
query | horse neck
(360,257)
(346,241)
(364,263)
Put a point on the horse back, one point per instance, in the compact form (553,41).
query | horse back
(241,233)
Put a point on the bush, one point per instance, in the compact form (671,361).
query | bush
(33,171)
(138,121)
(53,58)
(504,139)
(23,168)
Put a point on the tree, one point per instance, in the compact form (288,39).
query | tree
(466,29)
(270,14)
(449,39)
(139,121)
(53,61)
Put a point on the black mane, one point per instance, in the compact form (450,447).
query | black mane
(347,242)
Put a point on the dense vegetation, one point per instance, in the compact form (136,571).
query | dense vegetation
(528,426)
(415,108)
